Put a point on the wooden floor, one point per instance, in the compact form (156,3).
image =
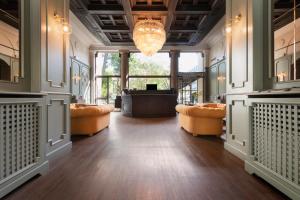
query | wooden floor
(146,159)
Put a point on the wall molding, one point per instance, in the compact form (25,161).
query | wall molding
(232,82)
(63,82)
(64,133)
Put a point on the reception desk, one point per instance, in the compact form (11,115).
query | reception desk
(159,103)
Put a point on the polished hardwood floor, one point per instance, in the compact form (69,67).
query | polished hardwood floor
(146,159)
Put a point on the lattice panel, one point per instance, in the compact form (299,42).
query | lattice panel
(19,137)
(276,133)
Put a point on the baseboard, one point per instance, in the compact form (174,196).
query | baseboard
(235,151)
(42,169)
(59,151)
(284,186)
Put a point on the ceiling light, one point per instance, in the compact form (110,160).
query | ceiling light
(149,36)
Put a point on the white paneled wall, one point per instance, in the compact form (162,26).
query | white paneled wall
(34,115)
(244,69)
(58,123)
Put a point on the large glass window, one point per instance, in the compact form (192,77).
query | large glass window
(190,91)
(108,64)
(107,88)
(145,70)
(141,65)
(191,62)
(140,83)
(108,84)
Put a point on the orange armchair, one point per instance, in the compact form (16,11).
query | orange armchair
(89,119)
(202,119)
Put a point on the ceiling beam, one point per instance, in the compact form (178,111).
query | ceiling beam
(81,11)
(191,12)
(115,29)
(106,12)
(208,22)
(147,8)
(202,9)
(150,12)
(176,42)
(171,11)
(103,7)
(129,17)
(183,31)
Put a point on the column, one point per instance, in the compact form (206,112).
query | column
(206,64)
(124,58)
(174,55)
(92,60)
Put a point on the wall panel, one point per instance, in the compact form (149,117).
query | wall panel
(239,66)
(56,43)
(245,45)
(244,67)
(237,125)
(58,120)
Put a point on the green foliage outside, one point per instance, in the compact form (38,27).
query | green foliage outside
(111,66)
(137,67)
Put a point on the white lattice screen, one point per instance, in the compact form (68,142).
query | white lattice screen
(19,137)
(276,138)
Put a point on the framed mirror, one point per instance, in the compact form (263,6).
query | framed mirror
(10,66)
(286,40)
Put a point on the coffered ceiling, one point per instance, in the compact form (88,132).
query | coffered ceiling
(9,12)
(186,21)
(283,12)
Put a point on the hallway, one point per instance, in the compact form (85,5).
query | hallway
(146,159)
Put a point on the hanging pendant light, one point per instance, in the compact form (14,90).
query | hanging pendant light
(149,36)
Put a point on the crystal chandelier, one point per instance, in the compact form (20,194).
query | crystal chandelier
(149,36)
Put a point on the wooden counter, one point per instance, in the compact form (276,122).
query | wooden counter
(149,104)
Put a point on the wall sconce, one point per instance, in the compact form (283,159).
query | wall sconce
(76,78)
(221,78)
(66,28)
(281,76)
(228,29)
(58,18)
(234,20)
(237,18)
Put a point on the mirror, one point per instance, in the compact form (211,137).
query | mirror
(286,34)
(10,69)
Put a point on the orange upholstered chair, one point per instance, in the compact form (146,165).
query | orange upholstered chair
(202,119)
(89,119)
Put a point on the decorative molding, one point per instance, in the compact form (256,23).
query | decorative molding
(230,16)
(230,124)
(84,72)
(64,81)
(64,133)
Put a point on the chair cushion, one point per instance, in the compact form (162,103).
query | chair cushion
(211,105)
(202,111)
(89,111)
